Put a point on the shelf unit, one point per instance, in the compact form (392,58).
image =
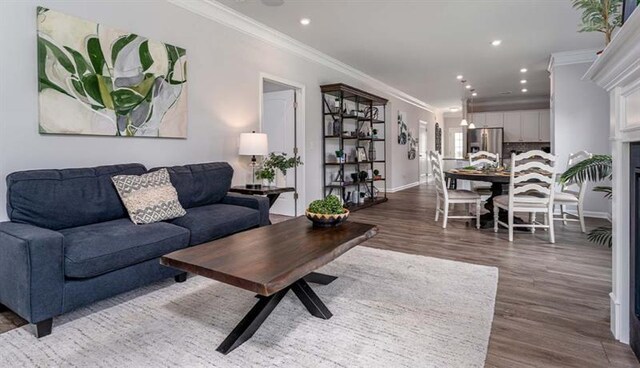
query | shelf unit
(338,102)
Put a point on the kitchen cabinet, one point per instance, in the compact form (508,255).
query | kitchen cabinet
(545,126)
(530,131)
(494,119)
(512,126)
(479,119)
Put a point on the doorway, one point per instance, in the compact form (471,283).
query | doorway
(282,119)
(423,149)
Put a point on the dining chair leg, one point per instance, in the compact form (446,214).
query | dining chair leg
(478,202)
(563,211)
(581,217)
(533,222)
(496,216)
(510,225)
(445,215)
(552,237)
(437,208)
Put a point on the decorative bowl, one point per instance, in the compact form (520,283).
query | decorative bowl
(327,220)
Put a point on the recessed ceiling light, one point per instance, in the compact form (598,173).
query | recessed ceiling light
(523,70)
(523,81)
(305,21)
(474,94)
(459,77)
(496,42)
(524,90)
(454,109)
(468,86)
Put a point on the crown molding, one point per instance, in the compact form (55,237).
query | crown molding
(619,63)
(226,16)
(572,57)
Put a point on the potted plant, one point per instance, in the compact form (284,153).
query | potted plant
(340,156)
(374,133)
(376,174)
(276,163)
(596,168)
(600,16)
(327,212)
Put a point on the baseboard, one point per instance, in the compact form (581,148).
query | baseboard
(403,187)
(616,328)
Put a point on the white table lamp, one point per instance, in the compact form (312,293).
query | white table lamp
(253,144)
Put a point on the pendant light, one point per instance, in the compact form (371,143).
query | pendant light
(471,124)
(464,121)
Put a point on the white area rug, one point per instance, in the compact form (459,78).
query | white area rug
(389,310)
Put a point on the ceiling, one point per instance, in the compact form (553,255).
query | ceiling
(420,46)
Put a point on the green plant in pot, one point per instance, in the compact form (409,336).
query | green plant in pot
(596,168)
(276,162)
(599,16)
(327,212)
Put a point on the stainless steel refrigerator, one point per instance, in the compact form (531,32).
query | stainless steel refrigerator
(485,139)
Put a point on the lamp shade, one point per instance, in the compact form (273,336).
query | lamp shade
(464,122)
(253,144)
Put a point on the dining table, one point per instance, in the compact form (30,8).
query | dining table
(497,179)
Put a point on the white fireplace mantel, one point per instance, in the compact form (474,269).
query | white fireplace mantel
(617,70)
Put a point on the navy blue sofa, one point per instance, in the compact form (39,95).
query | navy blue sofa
(70,242)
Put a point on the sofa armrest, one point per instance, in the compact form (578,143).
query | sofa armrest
(31,270)
(256,202)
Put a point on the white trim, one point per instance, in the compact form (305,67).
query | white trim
(614,315)
(572,57)
(226,16)
(301,90)
(403,187)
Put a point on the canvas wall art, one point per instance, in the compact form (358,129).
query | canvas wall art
(97,80)
(402,128)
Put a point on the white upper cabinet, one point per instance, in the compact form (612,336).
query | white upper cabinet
(545,126)
(479,119)
(512,126)
(530,126)
(494,119)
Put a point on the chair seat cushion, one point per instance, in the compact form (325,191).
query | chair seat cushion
(565,197)
(95,249)
(214,221)
(519,201)
(463,194)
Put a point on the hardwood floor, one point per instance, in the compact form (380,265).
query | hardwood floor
(552,306)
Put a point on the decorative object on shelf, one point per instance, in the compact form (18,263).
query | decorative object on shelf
(413,146)
(96,80)
(438,133)
(327,212)
(374,133)
(597,168)
(372,151)
(361,154)
(600,16)
(371,112)
(402,128)
(376,174)
(362,175)
(274,163)
(253,144)
(337,128)
(355,177)
(336,106)
(340,156)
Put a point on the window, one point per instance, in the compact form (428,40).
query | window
(458,150)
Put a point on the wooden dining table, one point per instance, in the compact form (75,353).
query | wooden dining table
(497,179)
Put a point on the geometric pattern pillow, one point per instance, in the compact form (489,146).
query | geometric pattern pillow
(149,197)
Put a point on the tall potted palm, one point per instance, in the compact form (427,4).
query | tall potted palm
(599,16)
(594,169)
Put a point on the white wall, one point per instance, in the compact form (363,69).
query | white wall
(224,66)
(580,121)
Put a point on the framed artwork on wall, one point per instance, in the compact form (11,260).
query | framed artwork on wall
(402,128)
(97,80)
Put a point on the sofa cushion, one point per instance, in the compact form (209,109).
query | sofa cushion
(201,184)
(217,220)
(149,197)
(58,199)
(92,250)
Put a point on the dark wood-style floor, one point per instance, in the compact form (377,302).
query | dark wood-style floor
(552,306)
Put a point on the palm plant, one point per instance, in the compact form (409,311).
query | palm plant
(600,16)
(596,168)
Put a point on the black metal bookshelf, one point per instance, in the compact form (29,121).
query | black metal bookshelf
(350,116)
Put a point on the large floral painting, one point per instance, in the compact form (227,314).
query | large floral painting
(98,80)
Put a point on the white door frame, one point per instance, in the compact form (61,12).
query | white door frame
(300,90)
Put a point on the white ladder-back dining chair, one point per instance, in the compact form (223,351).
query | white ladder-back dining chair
(479,159)
(531,190)
(573,194)
(446,197)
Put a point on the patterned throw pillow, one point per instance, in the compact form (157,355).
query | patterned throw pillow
(149,197)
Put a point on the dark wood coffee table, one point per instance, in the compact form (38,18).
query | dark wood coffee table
(270,261)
